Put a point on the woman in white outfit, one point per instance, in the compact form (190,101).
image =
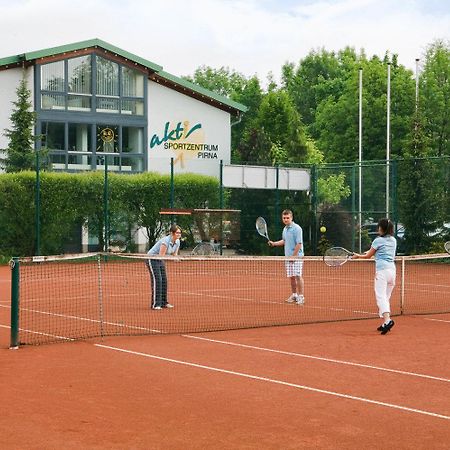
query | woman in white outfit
(383,247)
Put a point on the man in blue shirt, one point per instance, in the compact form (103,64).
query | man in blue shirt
(292,239)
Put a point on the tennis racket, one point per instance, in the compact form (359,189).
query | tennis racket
(261,227)
(204,249)
(336,256)
(447,247)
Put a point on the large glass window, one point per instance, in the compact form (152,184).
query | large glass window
(80,137)
(52,77)
(74,146)
(53,135)
(67,85)
(107,77)
(79,75)
(132,140)
(111,93)
(132,83)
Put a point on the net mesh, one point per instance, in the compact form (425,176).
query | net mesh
(98,295)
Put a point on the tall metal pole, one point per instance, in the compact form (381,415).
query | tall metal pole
(388,135)
(417,83)
(360,161)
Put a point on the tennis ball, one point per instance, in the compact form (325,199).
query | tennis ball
(323,229)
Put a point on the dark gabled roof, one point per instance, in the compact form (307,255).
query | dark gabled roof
(155,72)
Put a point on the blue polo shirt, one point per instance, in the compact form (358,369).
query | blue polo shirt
(292,235)
(172,247)
(385,247)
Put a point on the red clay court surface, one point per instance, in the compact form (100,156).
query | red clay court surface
(325,386)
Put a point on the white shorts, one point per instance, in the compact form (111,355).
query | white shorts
(294,268)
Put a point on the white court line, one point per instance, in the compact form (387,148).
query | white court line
(437,320)
(308,388)
(41,333)
(271,380)
(318,358)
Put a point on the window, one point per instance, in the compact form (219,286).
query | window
(52,77)
(89,144)
(79,75)
(84,100)
(53,135)
(67,85)
(80,137)
(132,140)
(107,139)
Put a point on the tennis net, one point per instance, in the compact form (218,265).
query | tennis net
(94,295)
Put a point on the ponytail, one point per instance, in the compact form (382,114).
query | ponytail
(386,226)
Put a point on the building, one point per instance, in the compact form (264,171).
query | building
(97,104)
(95,101)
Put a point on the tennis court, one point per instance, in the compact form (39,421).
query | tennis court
(315,385)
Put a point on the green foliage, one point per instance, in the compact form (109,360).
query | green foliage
(419,200)
(435,96)
(333,189)
(20,155)
(70,200)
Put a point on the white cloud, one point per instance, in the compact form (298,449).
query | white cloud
(248,36)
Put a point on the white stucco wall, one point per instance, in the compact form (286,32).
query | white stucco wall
(9,81)
(171,115)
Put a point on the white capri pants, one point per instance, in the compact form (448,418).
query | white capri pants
(384,284)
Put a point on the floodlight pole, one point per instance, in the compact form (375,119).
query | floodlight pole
(360,160)
(417,83)
(388,132)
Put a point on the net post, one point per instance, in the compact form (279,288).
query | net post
(15,272)
(402,290)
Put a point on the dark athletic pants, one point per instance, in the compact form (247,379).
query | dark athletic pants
(158,278)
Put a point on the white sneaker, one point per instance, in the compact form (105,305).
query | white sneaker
(300,300)
(291,299)
(168,305)
(156,307)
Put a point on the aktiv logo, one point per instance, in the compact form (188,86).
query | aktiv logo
(181,131)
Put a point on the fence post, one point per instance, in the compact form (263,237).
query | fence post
(314,208)
(354,206)
(402,290)
(172,189)
(37,206)
(15,272)
(221,205)
(105,206)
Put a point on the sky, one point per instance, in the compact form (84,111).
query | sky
(252,37)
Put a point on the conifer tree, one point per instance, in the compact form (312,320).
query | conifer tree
(20,153)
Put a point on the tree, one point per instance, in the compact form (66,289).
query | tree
(20,153)
(419,201)
(279,119)
(246,138)
(435,96)
(320,75)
